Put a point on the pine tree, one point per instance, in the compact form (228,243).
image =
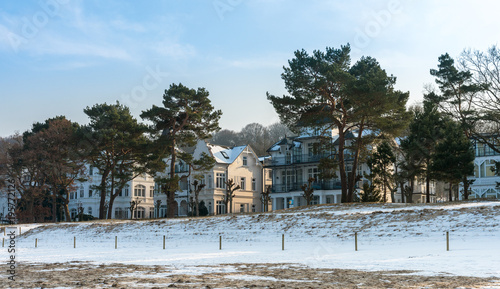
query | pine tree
(186,116)
(326,92)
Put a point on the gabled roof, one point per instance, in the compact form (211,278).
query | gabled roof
(225,155)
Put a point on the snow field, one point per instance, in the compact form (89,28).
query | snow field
(409,238)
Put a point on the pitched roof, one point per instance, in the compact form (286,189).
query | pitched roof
(225,155)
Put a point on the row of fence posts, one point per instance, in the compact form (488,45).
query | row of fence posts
(220,241)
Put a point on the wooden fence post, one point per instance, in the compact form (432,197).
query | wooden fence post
(282,242)
(163,242)
(116,242)
(356,241)
(220,242)
(36,242)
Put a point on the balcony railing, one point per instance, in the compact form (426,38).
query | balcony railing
(295,159)
(323,185)
(485,152)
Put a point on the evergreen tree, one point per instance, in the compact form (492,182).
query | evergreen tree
(425,132)
(457,93)
(370,194)
(327,93)
(117,147)
(453,159)
(381,164)
(186,116)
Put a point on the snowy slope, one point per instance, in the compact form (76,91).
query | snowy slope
(390,237)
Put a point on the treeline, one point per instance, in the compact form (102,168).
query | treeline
(259,137)
(433,142)
(47,162)
(326,93)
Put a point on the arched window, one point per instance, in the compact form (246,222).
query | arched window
(139,191)
(118,213)
(140,213)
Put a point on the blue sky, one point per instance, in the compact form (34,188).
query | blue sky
(59,56)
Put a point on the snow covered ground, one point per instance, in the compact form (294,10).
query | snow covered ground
(390,237)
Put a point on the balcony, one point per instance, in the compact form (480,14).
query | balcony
(294,159)
(324,185)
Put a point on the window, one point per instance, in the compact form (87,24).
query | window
(209,181)
(151,191)
(245,161)
(140,213)
(120,193)
(89,210)
(139,191)
(71,196)
(91,170)
(73,213)
(125,191)
(90,193)
(224,154)
(313,173)
(242,208)
(253,208)
(243,183)
(82,193)
(76,195)
(220,207)
(220,181)
(254,184)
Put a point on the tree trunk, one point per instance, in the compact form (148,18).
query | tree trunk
(196,209)
(466,188)
(450,198)
(112,198)
(343,176)
(102,202)
(54,207)
(67,215)
(171,206)
(352,179)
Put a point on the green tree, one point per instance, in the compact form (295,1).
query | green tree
(457,93)
(327,93)
(370,194)
(381,164)
(54,142)
(186,116)
(117,147)
(453,159)
(425,132)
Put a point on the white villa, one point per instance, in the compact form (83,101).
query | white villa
(240,164)
(293,161)
(139,190)
(485,180)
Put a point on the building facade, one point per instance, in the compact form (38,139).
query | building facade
(294,160)
(485,180)
(240,164)
(140,190)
